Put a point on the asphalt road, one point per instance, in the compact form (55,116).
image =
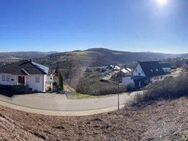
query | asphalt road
(54,104)
(58,102)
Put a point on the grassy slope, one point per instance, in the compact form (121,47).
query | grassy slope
(165,120)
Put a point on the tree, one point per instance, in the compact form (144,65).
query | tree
(60,81)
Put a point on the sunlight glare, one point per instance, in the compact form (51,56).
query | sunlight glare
(162,2)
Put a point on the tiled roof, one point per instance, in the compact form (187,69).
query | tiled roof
(25,67)
(165,65)
(152,68)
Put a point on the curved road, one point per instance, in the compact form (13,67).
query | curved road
(59,105)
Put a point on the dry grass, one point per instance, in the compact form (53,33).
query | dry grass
(168,89)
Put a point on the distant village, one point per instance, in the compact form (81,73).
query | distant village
(142,74)
(38,78)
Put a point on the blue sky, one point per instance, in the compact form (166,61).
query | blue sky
(64,25)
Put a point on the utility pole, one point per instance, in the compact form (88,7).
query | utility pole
(116,83)
(118,97)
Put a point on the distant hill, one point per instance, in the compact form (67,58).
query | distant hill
(102,56)
(185,56)
(73,64)
(90,57)
(105,56)
(15,56)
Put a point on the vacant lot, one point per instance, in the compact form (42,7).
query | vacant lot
(165,120)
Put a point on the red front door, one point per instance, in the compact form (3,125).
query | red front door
(21,80)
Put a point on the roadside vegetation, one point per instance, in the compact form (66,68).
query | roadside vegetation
(168,89)
(14,90)
(75,95)
(92,85)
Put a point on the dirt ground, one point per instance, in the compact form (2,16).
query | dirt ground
(165,120)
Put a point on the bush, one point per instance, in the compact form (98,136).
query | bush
(19,89)
(131,88)
(12,90)
(92,85)
(170,88)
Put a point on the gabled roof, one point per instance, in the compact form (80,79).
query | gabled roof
(43,68)
(165,65)
(151,68)
(25,67)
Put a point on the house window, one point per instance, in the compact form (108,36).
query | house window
(3,77)
(37,79)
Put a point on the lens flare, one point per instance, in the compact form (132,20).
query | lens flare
(162,2)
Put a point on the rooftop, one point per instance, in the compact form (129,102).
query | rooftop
(152,68)
(24,67)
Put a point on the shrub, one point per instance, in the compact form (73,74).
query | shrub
(19,89)
(13,90)
(169,88)
(92,85)
(131,88)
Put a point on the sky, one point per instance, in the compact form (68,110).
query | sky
(66,25)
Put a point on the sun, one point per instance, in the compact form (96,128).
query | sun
(162,2)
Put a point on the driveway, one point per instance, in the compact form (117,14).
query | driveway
(55,104)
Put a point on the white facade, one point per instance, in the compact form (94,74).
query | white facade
(49,82)
(138,71)
(165,69)
(35,82)
(156,79)
(127,81)
(8,79)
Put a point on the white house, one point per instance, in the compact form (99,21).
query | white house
(27,73)
(127,81)
(166,67)
(127,77)
(185,65)
(146,72)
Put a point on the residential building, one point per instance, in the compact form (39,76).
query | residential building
(166,67)
(146,72)
(27,73)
